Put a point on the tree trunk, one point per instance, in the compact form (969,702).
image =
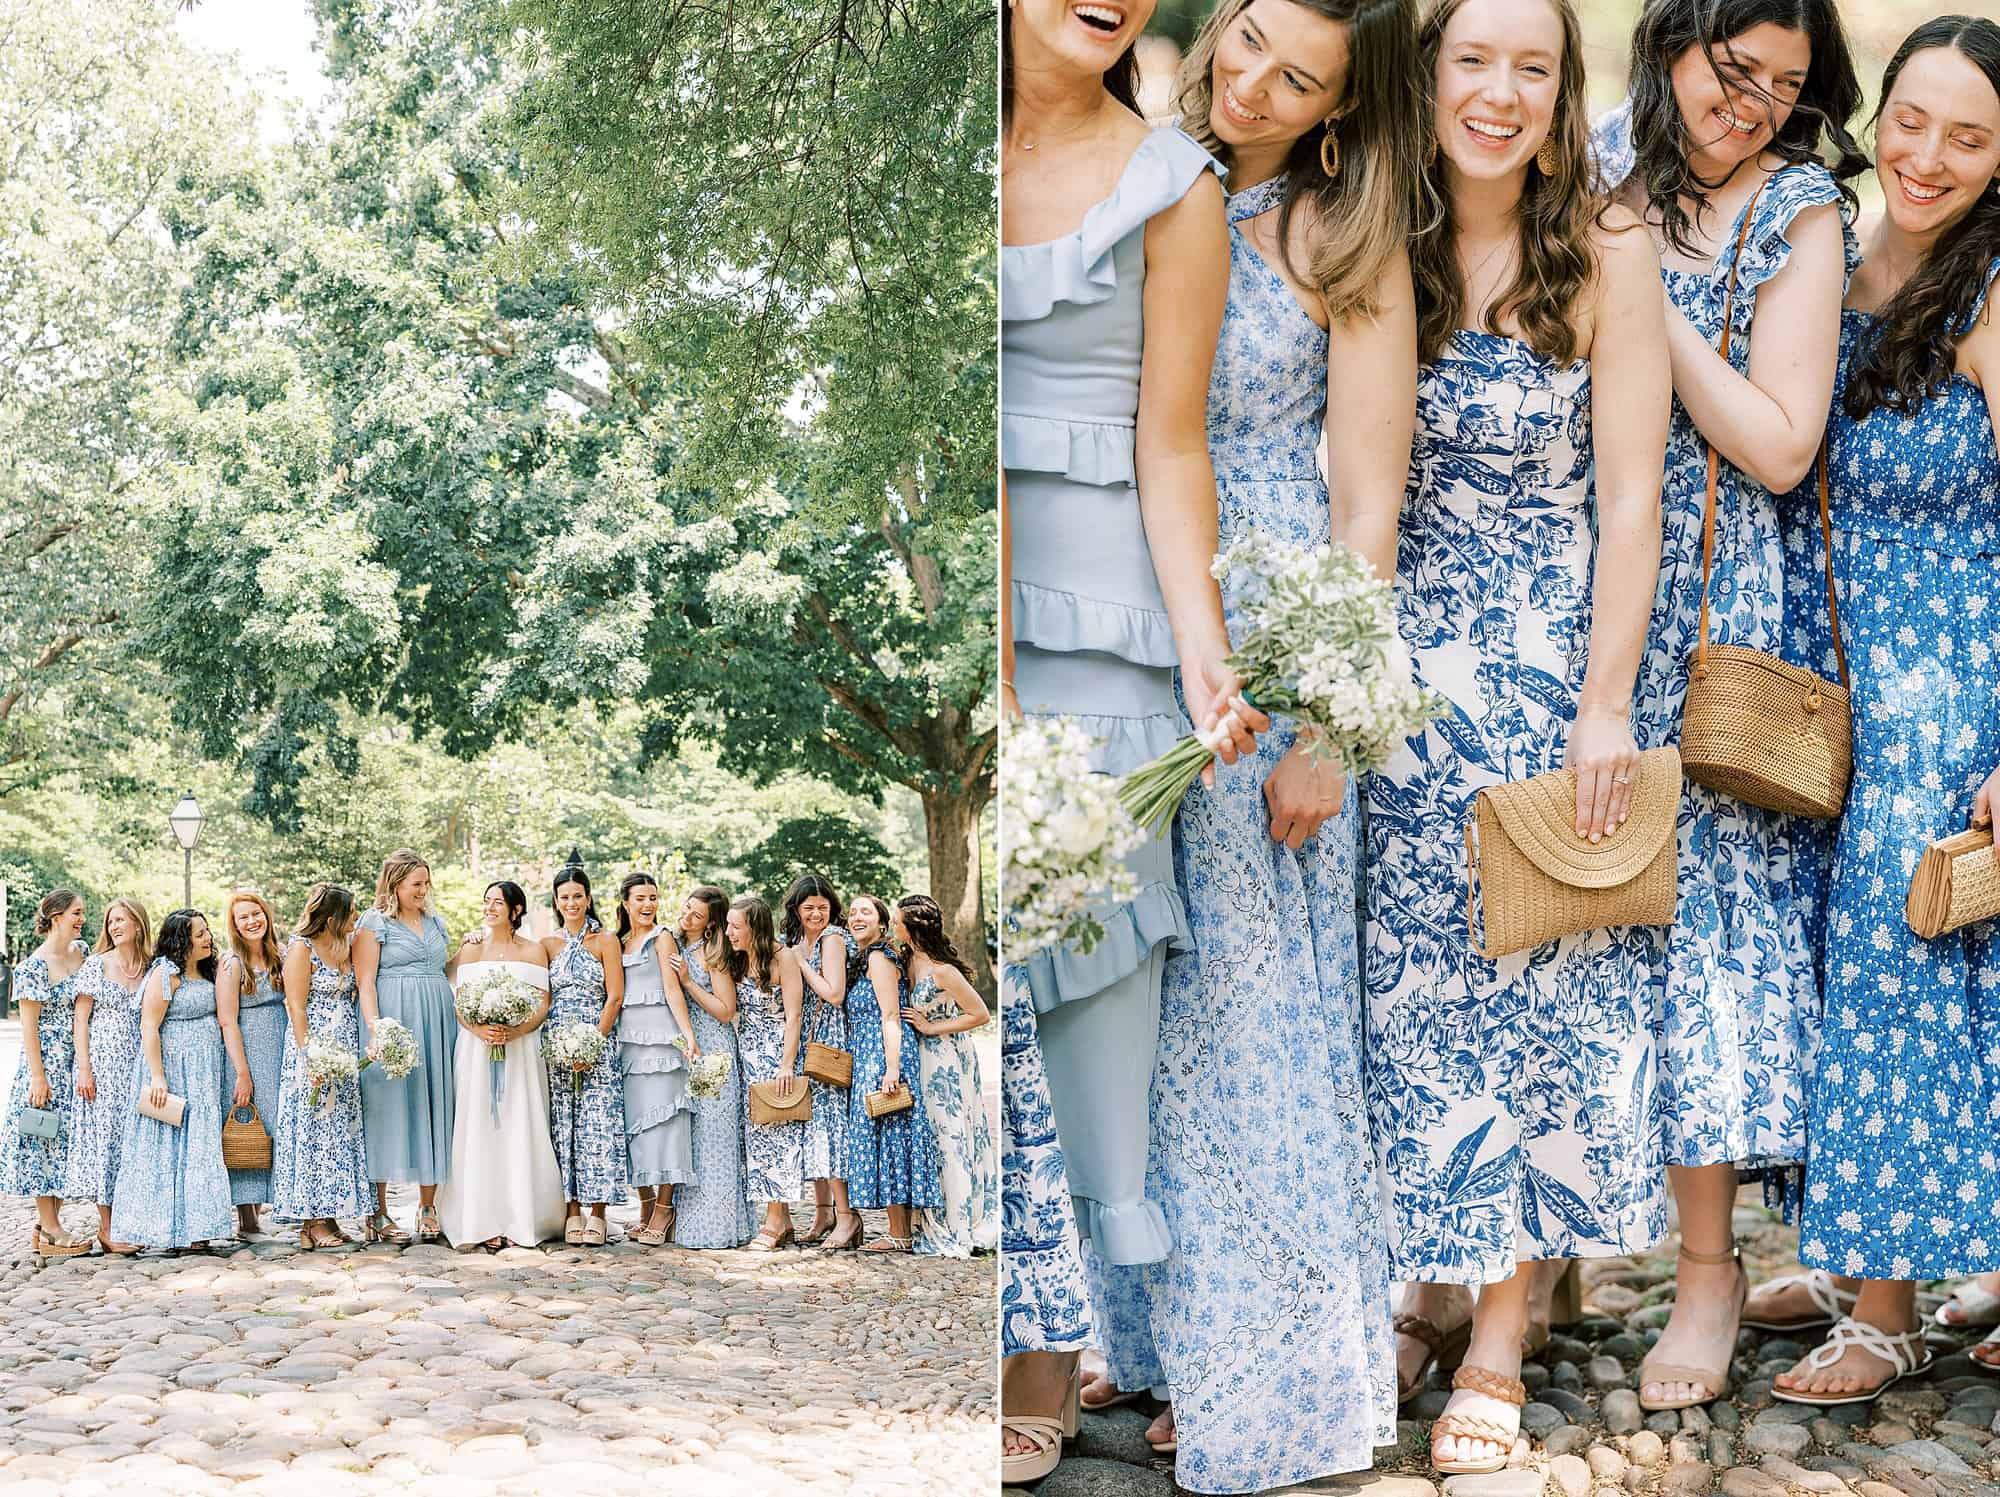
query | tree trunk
(951,827)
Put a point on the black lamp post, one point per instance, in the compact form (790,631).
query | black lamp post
(186,820)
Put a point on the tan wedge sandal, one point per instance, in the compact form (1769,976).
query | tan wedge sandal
(1477,1427)
(1715,1379)
(1047,1435)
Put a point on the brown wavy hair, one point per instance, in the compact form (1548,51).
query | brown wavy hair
(1558,215)
(54,905)
(925,923)
(140,918)
(763,943)
(1360,218)
(1912,350)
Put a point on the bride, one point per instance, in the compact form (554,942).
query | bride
(503,1185)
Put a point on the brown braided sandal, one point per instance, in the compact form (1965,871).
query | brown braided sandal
(1477,1427)
(1447,1350)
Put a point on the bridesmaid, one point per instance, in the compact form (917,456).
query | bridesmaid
(587,986)
(713,1211)
(658,1123)
(1511,1099)
(944,1008)
(1719,147)
(1900,1181)
(765,978)
(251,1006)
(892,1161)
(319,1156)
(403,965)
(46,987)
(172,1191)
(812,931)
(107,1048)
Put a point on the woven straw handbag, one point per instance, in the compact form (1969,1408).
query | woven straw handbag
(246,1144)
(1957,882)
(767,1107)
(1537,880)
(1753,726)
(828,1064)
(881,1104)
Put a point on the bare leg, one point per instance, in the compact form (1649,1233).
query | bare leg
(1446,1306)
(1032,1382)
(1498,1319)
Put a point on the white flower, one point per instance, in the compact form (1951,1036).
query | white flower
(1063,835)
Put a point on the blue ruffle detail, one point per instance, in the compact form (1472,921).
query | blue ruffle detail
(1077,268)
(1066,623)
(1120,745)
(1611,151)
(1093,452)
(1132,1233)
(1791,190)
(1064,974)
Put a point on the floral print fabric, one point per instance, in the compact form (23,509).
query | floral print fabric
(586,1119)
(97,1127)
(954,1098)
(319,1157)
(172,1190)
(1044,1300)
(29,1164)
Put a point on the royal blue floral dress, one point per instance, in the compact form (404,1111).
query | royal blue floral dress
(1900,1179)
(891,1160)
(29,1164)
(172,1190)
(1044,1297)
(1735,1001)
(828,1130)
(260,1018)
(968,1220)
(97,1127)
(713,1212)
(586,1124)
(319,1155)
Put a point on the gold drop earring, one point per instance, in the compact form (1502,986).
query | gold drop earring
(1545,154)
(1329,148)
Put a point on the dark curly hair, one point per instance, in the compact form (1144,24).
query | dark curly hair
(1909,355)
(176,943)
(809,886)
(1830,97)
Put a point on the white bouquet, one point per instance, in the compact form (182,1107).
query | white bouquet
(1318,643)
(1062,834)
(706,1073)
(328,1063)
(575,1047)
(395,1050)
(496,997)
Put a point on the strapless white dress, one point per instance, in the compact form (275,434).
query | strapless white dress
(503,1180)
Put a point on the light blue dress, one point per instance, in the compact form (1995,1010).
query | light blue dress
(587,1121)
(659,1146)
(260,1016)
(828,1129)
(713,1211)
(1044,1296)
(1092,642)
(172,1190)
(1735,1004)
(968,1219)
(408,1122)
(1901,1179)
(97,1127)
(31,1165)
(891,1160)
(319,1156)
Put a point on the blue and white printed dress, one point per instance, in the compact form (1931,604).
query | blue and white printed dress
(1513,1098)
(830,1127)
(712,1211)
(968,1221)
(97,1127)
(587,1123)
(1735,1003)
(319,1156)
(1901,1179)
(773,1153)
(172,1190)
(29,1164)
(1044,1297)
(260,1019)
(891,1160)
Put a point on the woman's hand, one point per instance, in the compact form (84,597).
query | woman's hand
(789,1086)
(38,1091)
(1215,703)
(86,1086)
(494,1034)
(1302,793)
(891,1079)
(693,1051)
(1010,703)
(1987,801)
(156,1094)
(1605,756)
(243,1093)
(609,1031)
(918,1020)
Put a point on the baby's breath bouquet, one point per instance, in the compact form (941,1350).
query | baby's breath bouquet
(495,997)
(1317,642)
(1062,834)
(706,1074)
(395,1050)
(575,1047)
(328,1063)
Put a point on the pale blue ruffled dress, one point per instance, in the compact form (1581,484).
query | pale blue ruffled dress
(408,1122)
(658,1125)
(260,1016)
(1092,642)
(172,1189)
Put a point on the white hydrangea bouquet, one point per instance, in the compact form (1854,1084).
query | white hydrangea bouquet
(395,1050)
(1062,835)
(1318,644)
(328,1064)
(575,1047)
(496,997)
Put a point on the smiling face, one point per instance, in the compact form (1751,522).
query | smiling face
(1279,70)
(1088,37)
(642,905)
(736,931)
(494,909)
(1736,96)
(201,945)
(1498,78)
(864,922)
(694,918)
(414,892)
(121,927)
(814,912)
(572,902)
(1937,145)
(248,917)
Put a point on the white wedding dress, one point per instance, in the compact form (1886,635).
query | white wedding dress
(503,1180)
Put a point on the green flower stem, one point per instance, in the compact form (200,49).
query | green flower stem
(1153,791)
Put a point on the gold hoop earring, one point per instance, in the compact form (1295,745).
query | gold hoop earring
(1545,155)
(1330,143)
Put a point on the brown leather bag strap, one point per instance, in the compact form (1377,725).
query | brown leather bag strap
(1708,507)
(1826,534)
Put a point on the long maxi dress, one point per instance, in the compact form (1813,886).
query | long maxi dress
(172,1190)
(891,1160)
(1044,1292)
(1276,1282)
(260,1018)
(828,1129)
(97,1127)
(713,1211)
(1735,1002)
(1092,642)
(773,1153)
(586,1120)
(659,1137)
(319,1155)
(31,1165)
(968,1221)
(409,1121)
(1905,1101)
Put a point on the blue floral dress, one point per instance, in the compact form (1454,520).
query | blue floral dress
(587,1123)
(260,1018)
(1735,1004)
(29,1164)
(1901,1178)
(408,1122)
(828,1129)
(968,1221)
(97,1127)
(1512,1098)
(319,1156)
(713,1211)
(891,1160)
(773,1153)
(1044,1297)
(172,1190)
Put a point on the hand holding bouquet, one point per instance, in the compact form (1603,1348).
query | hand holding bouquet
(328,1064)
(575,1046)
(497,997)
(394,1050)
(706,1073)
(1319,645)
(1062,834)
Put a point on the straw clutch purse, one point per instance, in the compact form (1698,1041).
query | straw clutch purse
(1957,882)
(881,1104)
(768,1107)
(1538,880)
(245,1143)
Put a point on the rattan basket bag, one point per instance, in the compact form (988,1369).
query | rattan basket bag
(1957,882)
(767,1107)
(246,1144)
(1753,726)
(1537,880)
(825,1063)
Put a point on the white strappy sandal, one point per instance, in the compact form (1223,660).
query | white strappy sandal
(1045,1434)
(1980,1307)
(1830,1302)
(1906,1355)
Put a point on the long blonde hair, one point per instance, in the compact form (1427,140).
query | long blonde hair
(137,912)
(398,866)
(272,952)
